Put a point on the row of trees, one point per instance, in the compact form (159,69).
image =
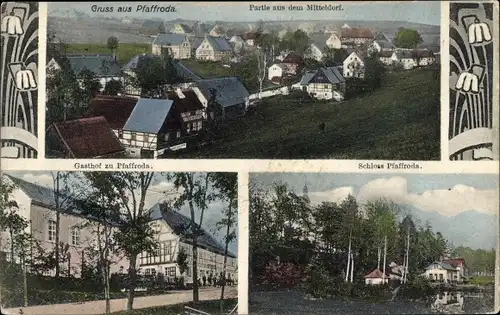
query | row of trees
(349,237)
(115,204)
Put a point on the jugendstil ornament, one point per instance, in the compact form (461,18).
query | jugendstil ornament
(471,135)
(19,31)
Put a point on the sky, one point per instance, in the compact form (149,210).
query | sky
(425,12)
(465,207)
(159,190)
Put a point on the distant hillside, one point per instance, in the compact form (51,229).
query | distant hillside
(472,229)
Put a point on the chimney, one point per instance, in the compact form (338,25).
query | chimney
(179,93)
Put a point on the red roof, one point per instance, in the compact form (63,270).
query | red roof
(455,262)
(251,35)
(386,53)
(88,137)
(116,109)
(357,33)
(293,58)
(376,274)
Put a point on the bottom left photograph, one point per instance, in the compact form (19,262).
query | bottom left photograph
(111,242)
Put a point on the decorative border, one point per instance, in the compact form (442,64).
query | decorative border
(471,81)
(19,75)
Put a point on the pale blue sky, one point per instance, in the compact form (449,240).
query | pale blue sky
(425,12)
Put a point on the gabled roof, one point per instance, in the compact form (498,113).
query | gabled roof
(404,54)
(181,225)
(88,137)
(134,63)
(332,74)
(384,44)
(356,32)
(423,53)
(381,37)
(442,264)
(101,65)
(152,24)
(148,115)
(251,35)
(196,41)
(185,28)
(319,40)
(45,197)
(385,53)
(359,54)
(229,90)
(455,262)
(293,57)
(377,274)
(116,109)
(189,103)
(169,39)
(219,43)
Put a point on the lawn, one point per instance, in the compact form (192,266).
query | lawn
(399,121)
(211,307)
(482,280)
(206,69)
(124,53)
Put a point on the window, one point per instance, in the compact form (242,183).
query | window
(120,133)
(167,136)
(178,133)
(133,136)
(146,137)
(147,272)
(172,271)
(51,231)
(153,272)
(75,236)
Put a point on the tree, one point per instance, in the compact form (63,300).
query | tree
(154,73)
(195,193)
(182,260)
(113,87)
(263,59)
(227,184)
(126,191)
(112,45)
(408,38)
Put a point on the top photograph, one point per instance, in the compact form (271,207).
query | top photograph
(277,80)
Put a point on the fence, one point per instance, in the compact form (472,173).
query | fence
(279,91)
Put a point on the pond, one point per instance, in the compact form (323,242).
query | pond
(293,302)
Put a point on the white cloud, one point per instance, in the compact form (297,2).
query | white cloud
(335,195)
(447,202)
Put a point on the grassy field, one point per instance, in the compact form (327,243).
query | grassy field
(400,121)
(212,307)
(125,51)
(206,69)
(482,280)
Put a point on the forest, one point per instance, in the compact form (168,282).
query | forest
(293,241)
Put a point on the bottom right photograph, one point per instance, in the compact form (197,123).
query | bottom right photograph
(333,243)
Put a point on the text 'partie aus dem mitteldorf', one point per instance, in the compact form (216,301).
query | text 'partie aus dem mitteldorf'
(296,7)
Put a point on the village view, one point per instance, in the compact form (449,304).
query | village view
(118,243)
(358,251)
(150,88)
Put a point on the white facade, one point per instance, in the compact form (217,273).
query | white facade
(275,70)
(353,66)
(207,52)
(323,91)
(375,281)
(314,52)
(182,51)
(334,42)
(438,272)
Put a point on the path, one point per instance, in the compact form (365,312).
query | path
(98,307)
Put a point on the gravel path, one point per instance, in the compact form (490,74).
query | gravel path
(98,307)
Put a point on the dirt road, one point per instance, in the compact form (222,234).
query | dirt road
(98,307)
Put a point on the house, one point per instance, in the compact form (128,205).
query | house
(385,57)
(189,110)
(217,31)
(174,235)
(37,205)
(277,71)
(379,36)
(151,128)
(104,67)
(380,45)
(424,57)
(376,277)
(404,58)
(151,28)
(90,137)
(115,109)
(227,96)
(442,272)
(181,28)
(324,83)
(334,41)
(354,36)
(250,38)
(354,66)
(317,46)
(195,43)
(214,48)
(459,263)
(237,43)
(293,58)
(178,45)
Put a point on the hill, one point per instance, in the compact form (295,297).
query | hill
(399,121)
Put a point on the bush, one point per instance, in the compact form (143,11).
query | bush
(282,275)
(321,280)
(417,288)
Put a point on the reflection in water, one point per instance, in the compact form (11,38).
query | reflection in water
(462,303)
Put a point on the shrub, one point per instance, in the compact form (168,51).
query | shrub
(418,288)
(282,275)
